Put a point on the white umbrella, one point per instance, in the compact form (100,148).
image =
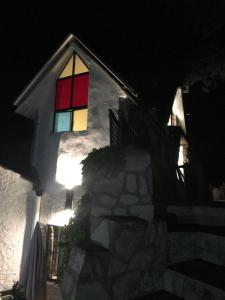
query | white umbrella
(33,278)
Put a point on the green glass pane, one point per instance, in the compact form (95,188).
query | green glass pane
(62,121)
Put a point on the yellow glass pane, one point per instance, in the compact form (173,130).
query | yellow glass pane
(79,66)
(80,119)
(68,70)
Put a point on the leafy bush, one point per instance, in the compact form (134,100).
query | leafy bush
(75,233)
(106,162)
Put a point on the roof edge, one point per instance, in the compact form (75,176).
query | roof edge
(70,38)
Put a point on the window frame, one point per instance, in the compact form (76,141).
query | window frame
(72,107)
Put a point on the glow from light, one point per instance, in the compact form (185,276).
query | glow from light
(69,170)
(61,218)
(178,108)
(181,158)
(122,95)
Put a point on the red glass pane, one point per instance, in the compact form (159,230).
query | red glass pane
(80,90)
(63,93)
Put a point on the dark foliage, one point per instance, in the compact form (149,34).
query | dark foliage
(17,292)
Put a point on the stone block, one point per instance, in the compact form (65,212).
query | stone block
(131,183)
(101,234)
(137,160)
(76,260)
(104,231)
(128,199)
(142,260)
(72,273)
(106,200)
(143,188)
(126,286)
(94,291)
(130,239)
(120,211)
(93,268)
(112,186)
(116,267)
(151,282)
(182,246)
(147,199)
(100,211)
(145,212)
(150,234)
(149,177)
(67,283)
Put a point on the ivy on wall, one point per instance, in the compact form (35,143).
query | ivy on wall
(18,292)
(104,162)
(76,233)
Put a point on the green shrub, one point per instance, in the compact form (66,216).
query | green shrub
(75,233)
(105,162)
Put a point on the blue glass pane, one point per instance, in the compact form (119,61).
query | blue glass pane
(62,121)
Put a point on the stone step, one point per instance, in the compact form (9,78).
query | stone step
(189,241)
(160,295)
(196,279)
(208,216)
(191,227)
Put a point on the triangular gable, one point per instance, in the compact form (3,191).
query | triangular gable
(81,67)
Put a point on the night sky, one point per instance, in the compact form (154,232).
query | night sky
(153,45)
(149,44)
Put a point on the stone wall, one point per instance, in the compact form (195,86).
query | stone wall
(129,264)
(15,208)
(126,252)
(130,193)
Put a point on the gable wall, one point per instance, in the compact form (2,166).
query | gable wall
(103,94)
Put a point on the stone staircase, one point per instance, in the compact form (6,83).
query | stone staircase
(196,279)
(160,295)
(196,267)
(196,256)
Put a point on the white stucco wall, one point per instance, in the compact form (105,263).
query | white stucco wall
(178,109)
(39,105)
(104,94)
(14,200)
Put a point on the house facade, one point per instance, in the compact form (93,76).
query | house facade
(69,102)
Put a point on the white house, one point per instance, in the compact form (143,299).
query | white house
(69,102)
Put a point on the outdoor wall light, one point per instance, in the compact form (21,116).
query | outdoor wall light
(61,218)
(69,170)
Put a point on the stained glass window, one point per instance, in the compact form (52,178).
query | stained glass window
(63,93)
(71,99)
(62,121)
(80,119)
(80,90)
